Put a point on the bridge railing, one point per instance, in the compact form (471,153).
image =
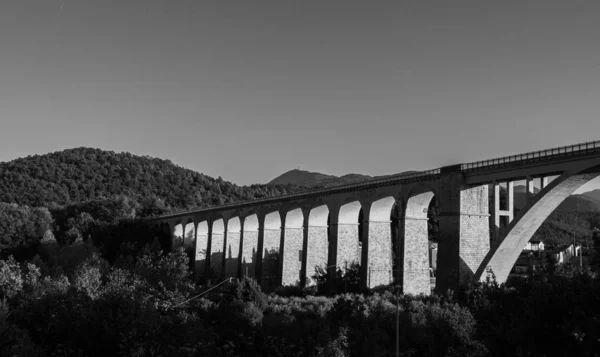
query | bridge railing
(570,150)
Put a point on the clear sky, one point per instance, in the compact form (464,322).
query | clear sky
(249,89)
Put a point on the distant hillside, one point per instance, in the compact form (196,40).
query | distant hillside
(83,174)
(595,194)
(314,179)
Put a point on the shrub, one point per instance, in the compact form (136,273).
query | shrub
(11,281)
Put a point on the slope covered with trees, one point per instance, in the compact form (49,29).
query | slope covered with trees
(83,174)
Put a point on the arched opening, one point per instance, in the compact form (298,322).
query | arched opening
(379,269)
(201,249)
(349,235)
(249,250)
(189,242)
(271,249)
(178,233)
(318,242)
(166,238)
(217,255)
(417,251)
(232,251)
(292,248)
(189,237)
(503,255)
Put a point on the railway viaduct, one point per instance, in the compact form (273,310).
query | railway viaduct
(279,240)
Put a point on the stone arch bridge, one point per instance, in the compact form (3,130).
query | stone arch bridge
(279,240)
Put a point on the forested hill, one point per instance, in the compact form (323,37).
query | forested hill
(84,174)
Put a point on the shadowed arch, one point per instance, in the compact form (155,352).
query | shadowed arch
(348,247)
(232,250)
(271,251)
(178,232)
(217,255)
(292,248)
(189,236)
(250,246)
(503,255)
(201,249)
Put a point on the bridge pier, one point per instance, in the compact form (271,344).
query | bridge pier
(464,229)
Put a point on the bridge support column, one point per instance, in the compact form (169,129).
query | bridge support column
(413,255)
(207,264)
(260,243)
(500,211)
(464,229)
(240,260)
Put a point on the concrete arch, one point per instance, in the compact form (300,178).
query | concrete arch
(271,251)
(317,247)
(250,246)
(348,235)
(201,249)
(382,209)
(232,249)
(293,247)
(217,246)
(503,256)
(349,213)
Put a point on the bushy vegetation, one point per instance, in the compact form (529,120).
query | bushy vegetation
(146,308)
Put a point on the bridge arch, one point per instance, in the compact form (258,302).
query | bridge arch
(503,255)
(349,234)
(318,241)
(201,249)
(271,250)
(217,246)
(189,237)
(178,234)
(379,268)
(415,258)
(293,247)
(232,250)
(249,246)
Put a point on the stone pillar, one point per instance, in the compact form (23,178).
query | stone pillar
(260,242)
(209,238)
(224,254)
(413,255)
(464,229)
(240,261)
(364,256)
(304,251)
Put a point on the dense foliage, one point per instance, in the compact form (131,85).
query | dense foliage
(145,306)
(85,174)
